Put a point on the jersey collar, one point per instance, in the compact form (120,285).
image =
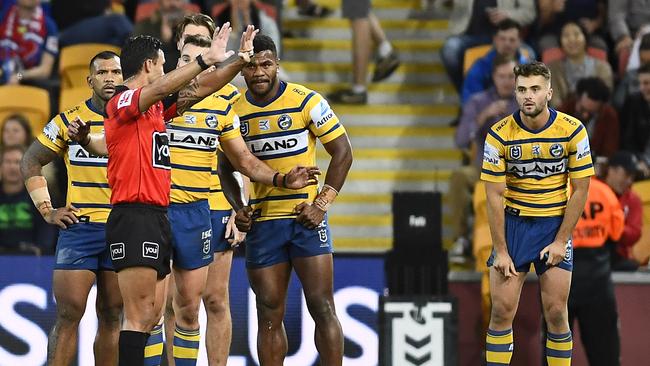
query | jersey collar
(551,118)
(281,89)
(92,107)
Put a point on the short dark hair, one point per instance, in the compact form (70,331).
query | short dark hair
(644,69)
(104,55)
(199,41)
(7,149)
(582,29)
(500,60)
(195,19)
(23,122)
(263,42)
(534,68)
(645,42)
(136,51)
(594,87)
(508,24)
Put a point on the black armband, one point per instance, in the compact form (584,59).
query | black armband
(199,60)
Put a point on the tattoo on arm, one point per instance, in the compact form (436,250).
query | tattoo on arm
(35,158)
(187,97)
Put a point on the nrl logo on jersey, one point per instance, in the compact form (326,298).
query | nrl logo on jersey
(515,152)
(243,128)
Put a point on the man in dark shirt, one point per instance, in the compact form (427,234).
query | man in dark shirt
(22,229)
(635,117)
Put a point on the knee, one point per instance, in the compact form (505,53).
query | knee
(215,304)
(70,311)
(269,307)
(187,311)
(109,313)
(556,314)
(502,312)
(321,308)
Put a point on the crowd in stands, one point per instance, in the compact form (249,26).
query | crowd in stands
(598,52)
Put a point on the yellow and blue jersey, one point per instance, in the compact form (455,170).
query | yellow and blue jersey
(283,133)
(536,165)
(87,183)
(193,141)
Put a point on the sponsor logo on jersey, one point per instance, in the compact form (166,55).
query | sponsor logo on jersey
(491,154)
(117,251)
(583,149)
(190,119)
(537,150)
(536,169)
(322,113)
(125,99)
(150,250)
(51,130)
(160,150)
(556,150)
(264,125)
(279,144)
(77,154)
(193,140)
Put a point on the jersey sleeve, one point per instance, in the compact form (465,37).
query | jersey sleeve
(494,165)
(324,123)
(580,164)
(229,93)
(54,133)
(124,107)
(229,125)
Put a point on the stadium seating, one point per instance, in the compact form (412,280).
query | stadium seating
(556,53)
(145,10)
(32,102)
(641,250)
(72,96)
(269,9)
(73,63)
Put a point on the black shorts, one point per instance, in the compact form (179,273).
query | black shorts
(138,235)
(356,9)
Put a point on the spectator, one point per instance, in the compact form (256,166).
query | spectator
(621,173)
(473,23)
(506,42)
(590,104)
(626,17)
(591,300)
(630,82)
(576,64)
(28,43)
(590,14)
(365,30)
(309,8)
(241,13)
(479,114)
(161,26)
(16,131)
(107,27)
(547,22)
(635,117)
(22,229)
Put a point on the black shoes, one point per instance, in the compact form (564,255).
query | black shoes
(386,66)
(348,96)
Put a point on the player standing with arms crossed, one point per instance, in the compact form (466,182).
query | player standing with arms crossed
(528,159)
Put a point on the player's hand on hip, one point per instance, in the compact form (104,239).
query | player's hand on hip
(62,216)
(244,219)
(555,252)
(79,131)
(233,235)
(504,264)
(309,215)
(301,177)
(217,52)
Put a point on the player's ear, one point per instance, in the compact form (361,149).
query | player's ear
(89,81)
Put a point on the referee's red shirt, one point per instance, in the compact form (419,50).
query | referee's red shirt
(138,165)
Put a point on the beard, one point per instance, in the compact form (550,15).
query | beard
(534,113)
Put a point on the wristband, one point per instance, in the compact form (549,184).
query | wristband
(275,177)
(325,198)
(199,60)
(37,188)
(246,55)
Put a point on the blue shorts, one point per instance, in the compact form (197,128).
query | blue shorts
(219,220)
(83,246)
(277,241)
(191,234)
(527,236)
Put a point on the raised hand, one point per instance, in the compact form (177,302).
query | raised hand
(79,131)
(217,52)
(301,177)
(246,43)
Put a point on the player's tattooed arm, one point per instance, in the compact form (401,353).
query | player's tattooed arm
(35,158)
(187,97)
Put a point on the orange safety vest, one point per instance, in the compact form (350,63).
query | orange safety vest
(601,219)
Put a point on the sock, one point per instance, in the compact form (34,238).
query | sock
(357,88)
(558,349)
(499,346)
(186,346)
(384,49)
(132,348)
(154,348)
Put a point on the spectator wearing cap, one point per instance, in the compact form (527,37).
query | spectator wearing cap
(621,173)
(590,104)
(635,117)
(630,82)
